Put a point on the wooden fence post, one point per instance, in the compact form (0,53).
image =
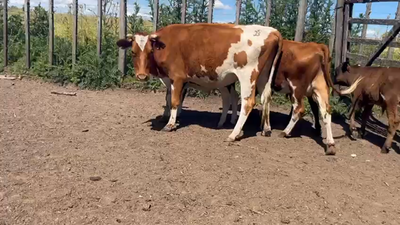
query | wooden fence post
(397,17)
(348,9)
(210,11)
(122,34)
(156,8)
(74,31)
(27,34)
(365,26)
(51,32)
(332,37)
(268,13)
(183,13)
(339,32)
(301,18)
(5,32)
(238,7)
(99,26)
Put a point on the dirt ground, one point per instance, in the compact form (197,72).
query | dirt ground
(98,158)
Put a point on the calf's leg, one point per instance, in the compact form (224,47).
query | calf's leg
(234,102)
(365,115)
(225,105)
(353,129)
(167,109)
(314,110)
(394,121)
(297,111)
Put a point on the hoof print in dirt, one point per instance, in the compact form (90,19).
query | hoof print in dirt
(330,150)
(148,208)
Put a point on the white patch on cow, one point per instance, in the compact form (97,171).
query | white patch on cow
(203,69)
(292,86)
(141,41)
(153,36)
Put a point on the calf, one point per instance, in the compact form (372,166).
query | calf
(211,56)
(370,86)
(303,70)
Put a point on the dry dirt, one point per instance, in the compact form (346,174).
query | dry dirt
(98,158)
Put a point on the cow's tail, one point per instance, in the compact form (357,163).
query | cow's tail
(352,87)
(273,70)
(325,63)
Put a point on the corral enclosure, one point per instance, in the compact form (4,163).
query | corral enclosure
(99,158)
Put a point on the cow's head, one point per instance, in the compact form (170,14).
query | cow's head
(342,73)
(142,46)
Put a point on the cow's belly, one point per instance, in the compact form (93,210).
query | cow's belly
(206,84)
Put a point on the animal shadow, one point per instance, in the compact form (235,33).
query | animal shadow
(206,119)
(376,131)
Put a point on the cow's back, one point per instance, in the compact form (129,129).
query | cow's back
(211,49)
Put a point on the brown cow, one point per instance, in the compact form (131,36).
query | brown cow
(211,56)
(370,86)
(304,70)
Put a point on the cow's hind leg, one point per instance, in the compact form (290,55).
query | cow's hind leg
(321,95)
(297,112)
(248,100)
(234,103)
(225,105)
(314,110)
(394,121)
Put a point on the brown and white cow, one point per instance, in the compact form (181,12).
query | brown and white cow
(211,56)
(372,86)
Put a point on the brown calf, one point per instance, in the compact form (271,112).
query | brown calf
(372,86)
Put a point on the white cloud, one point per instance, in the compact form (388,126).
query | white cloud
(219,5)
(372,33)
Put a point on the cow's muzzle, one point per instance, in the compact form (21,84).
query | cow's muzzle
(142,77)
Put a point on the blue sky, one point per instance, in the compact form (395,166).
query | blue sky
(224,10)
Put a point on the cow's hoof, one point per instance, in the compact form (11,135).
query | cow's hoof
(229,139)
(362,135)
(267,133)
(354,135)
(169,128)
(282,135)
(330,150)
(164,118)
(384,150)
(220,125)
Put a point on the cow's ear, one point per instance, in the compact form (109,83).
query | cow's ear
(124,43)
(345,66)
(156,43)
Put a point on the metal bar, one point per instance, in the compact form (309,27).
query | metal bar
(374,21)
(27,35)
(51,32)
(301,18)
(367,1)
(384,44)
(373,42)
(99,26)
(122,35)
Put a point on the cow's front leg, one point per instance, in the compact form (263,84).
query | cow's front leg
(393,123)
(365,115)
(176,91)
